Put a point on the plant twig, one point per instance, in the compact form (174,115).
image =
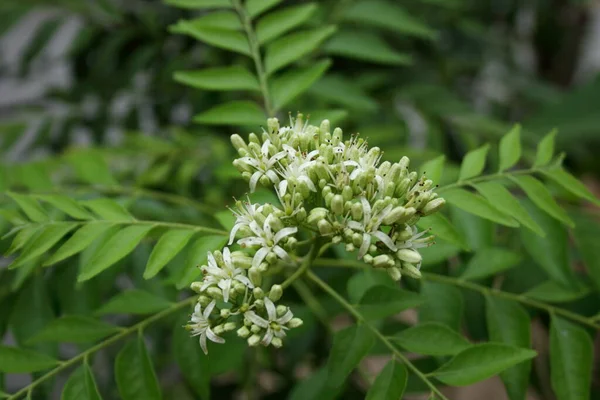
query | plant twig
(306,262)
(105,343)
(491,177)
(255,52)
(352,310)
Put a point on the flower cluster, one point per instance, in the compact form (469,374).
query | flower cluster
(339,190)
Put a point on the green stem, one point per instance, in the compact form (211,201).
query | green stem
(255,52)
(82,356)
(490,177)
(336,296)
(306,262)
(589,321)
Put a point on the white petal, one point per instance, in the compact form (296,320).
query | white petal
(211,260)
(283,187)
(308,182)
(285,318)
(233,232)
(250,161)
(209,309)
(267,226)
(225,285)
(266,340)
(271,310)
(357,226)
(272,176)
(385,239)
(366,209)
(244,280)
(256,320)
(260,256)
(254,227)
(355,173)
(265,148)
(277,157)
(254,180)
(281,253)
(284,232)
(213,337)
(364,247)
(203,343)
(227,256)
(251,241)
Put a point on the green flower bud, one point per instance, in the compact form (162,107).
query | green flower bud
(324,227)
(253,340)
(357,212)
(195,286)
(219,329)
(215,293)
(367,258)
(433,206)
(241,259)
(271,258)
(394,273)
(243,332)
(225,313)
(337,136)
(350,247)
(254,139)
(258,293)
(229,326)
(276,292)
(336,239)
(317,214)
(347,193)
(301,215)
(357,239)
(281,309)
(383,261)
(276,342)
(291,243)
(255,329)
(255,276)
(394,215)
(265,180)
(337,204)
(294,323)
(409,255)
(204,300)
(404,163)
(238,143)
(325,126)
(322,183)
(411,270)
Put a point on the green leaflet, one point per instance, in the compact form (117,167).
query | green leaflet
(571,184)
(256,7)
(473,163)
(117,247)
(510,148)
(434,168)
(44,241)
(74,329)
(443,304)
(81,385)
(66,205)
(365,46)
(390,382)
(222,78)
(509,323)
(223,38)
(571,360)
(479,206)
(382,301)
(80,240)
(545,149)
(234,112)
(542,198)
(30,207)
(362,281)
(199,4)
(290,85)
(431,338)
(294,46)
(349,347)
(490,261)
(134,301)
(135,374)
(90,167)
(443,228)
(277,23)
(480,362)
(108,209)
(20,361)
(193,363)
(504,201)
(170,243)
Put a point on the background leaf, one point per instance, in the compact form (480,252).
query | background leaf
(135,374)
(81,385)
(390,382)
(134,301)
(74,329)
(349,347)
(431,338)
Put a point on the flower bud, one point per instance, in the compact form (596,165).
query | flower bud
(433,206)
(243,332)
(294,323)
(229,326)
(273,125)
(325,227)
(394,215)
(411,270)
(276,342)
(238,143)
(204,300)
(347,193)
(409,256)
(337,136)
(324,127)
(394,273)
(350,247)
(276,292)
(215,293)
(254,139)
(404,163)
(195,286)
(253,340)
(271,258)
(367,258)
(255,329)
(258,293)
(317,214)
(281,309)
(337,204)
(225,313)
(218,329)
(255,276)
(383,261)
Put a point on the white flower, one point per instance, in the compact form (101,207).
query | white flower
(275,326)
(244,216)
(417,241)
(200,325)
(267,240)
(370,227)
(263,164)
(223,277)
(295,172)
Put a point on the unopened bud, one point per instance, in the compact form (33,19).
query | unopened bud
(258,293)
(225,313)
(243,332)
(409,256)
(295,322)
(255,276)
(238,143)
(394,273)
(204,300)
(357,212)
(394,215)
(276,342)
(317,214)
(253,340)
(215,293)
(255,329)
(229,326)
(411,270)
(337,204)
(383,261)
(433,206)
(219,329)
(276,292)
(325,227)
(195,286)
